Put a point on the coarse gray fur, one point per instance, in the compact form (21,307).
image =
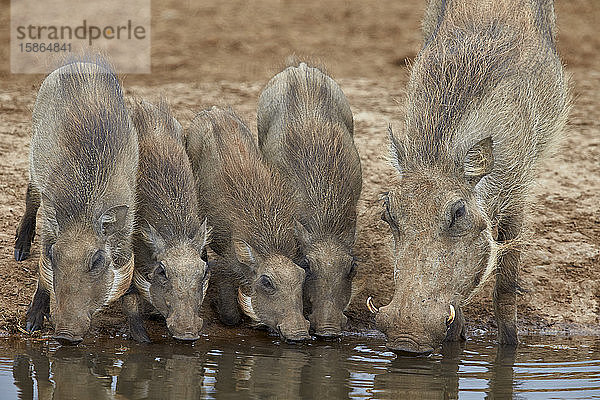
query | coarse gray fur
(252,215)
(83,163)
(487,100)
(170,235)
(305,131)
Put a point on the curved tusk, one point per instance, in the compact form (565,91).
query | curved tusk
(452,315)
(246,305)
(371,306)
(205,286)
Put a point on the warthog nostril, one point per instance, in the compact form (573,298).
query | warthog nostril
(297,337)
(66,339)
(187,334)
(294,336)
(328,333)
(371,306)
(186,337)
(408,347)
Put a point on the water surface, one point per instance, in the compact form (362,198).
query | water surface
(261,367)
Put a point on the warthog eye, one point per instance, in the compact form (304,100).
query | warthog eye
(160,273)
(458,211)
(266,284)
(204,255)
(304,264)
(386,215)
(458,223)
(98,260)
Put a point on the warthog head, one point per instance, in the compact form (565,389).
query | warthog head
(178,281)
(330,269)
(443,248)
(276,292)
(84,271)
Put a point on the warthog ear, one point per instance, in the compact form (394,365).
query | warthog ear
(152,237)
(113,220)
(203,235)
(302,234)
(50,214)
(397,151)
(479,161)
(244,253)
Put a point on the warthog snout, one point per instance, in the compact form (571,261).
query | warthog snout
(71,332)
(413,332)
(294,329)
(327,321)
(185,327)
(66,339)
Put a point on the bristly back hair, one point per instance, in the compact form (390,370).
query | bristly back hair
(167,194)
(260,207)
(156,120)
(322,164)
(97,133)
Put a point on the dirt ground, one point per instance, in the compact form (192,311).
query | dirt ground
(207,52)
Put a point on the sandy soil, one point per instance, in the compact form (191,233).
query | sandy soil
(207,53)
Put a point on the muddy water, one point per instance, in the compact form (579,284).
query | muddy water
(260,367)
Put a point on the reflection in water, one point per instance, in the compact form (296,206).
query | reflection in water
(78,374)
(261,368)
(501,382)
(422,378)
(166,372)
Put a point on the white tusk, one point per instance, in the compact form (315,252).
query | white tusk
(452,315)
(246,305)
(371,306)
(205,286)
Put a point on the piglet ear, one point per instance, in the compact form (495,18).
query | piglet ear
(302,234)
(479,161)
(152,238)
(203,236)
(244,253)
(49,213)
(397,151)
(113,220)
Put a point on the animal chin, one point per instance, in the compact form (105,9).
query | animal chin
(246,305)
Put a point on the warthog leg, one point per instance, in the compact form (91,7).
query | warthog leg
(226,302)
(26,229)
(38,309)
(132,304)
(507,273)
